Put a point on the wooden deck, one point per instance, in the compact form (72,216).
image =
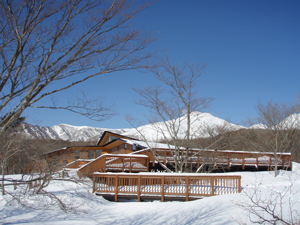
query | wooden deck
(140,161)
(164,186)
(226,158)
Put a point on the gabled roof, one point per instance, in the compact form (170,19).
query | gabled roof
(106,134)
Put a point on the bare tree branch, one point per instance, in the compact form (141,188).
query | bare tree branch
(64,43)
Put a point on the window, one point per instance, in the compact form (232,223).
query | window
(115,150)
(77,154)
(98,153)
(134,147)
(91,154)
(111,138)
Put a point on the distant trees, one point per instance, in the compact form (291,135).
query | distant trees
(49,46)
(173,103)
(280,122)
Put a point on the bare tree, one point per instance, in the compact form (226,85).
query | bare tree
(49,46)
(280,123)
(273,207)
(173,103)
(10,147)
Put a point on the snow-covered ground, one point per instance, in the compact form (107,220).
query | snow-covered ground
(86,208)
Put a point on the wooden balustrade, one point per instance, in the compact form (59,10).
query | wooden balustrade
(117,162)
(160,186)
(229,158)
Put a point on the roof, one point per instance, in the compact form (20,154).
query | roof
(114,134)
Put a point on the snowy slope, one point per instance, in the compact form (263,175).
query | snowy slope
(201,121)
(67,132)
(291,122)
(88,209)
(201,125)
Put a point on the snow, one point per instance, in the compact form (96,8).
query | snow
(86,208)
(291,122)
(258,126)
(200,122)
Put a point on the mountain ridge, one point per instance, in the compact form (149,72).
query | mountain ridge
(201,127)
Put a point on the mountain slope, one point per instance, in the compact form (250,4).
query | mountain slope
(202,125)
(201,122)
(67,132)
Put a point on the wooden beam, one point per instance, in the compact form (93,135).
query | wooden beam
(187,188)
(162,189)
(243,165)
(116,188)
(139,188)
(212,181)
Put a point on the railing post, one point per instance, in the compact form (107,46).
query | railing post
(162,188)
(243,166)
(212,180)
(116,189)
(240,185)
(187,188)
(228,158)
(94,183)
(139,188)
(129,164)
(148,162)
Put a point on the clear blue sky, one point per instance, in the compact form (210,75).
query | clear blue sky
(252,48)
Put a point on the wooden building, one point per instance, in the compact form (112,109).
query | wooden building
(117,153)
(109,143)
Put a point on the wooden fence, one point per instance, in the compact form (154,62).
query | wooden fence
(160,186)
(228,158)
(116,162)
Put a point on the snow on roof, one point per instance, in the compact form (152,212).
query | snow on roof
(125,155)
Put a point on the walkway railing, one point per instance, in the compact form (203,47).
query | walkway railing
(118,162)
(229,158)
(165,185)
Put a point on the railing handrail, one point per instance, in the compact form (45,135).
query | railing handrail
(187,185)
(165,175)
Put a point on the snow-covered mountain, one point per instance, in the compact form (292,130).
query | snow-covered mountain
(291,122)
(202,125)
(67,132)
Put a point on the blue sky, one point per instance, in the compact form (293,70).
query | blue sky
(252,48)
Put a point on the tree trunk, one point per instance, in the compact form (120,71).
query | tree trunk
(3,176)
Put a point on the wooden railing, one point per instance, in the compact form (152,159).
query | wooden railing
(117,162)
(228,158)
(77,163)
(165,185)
